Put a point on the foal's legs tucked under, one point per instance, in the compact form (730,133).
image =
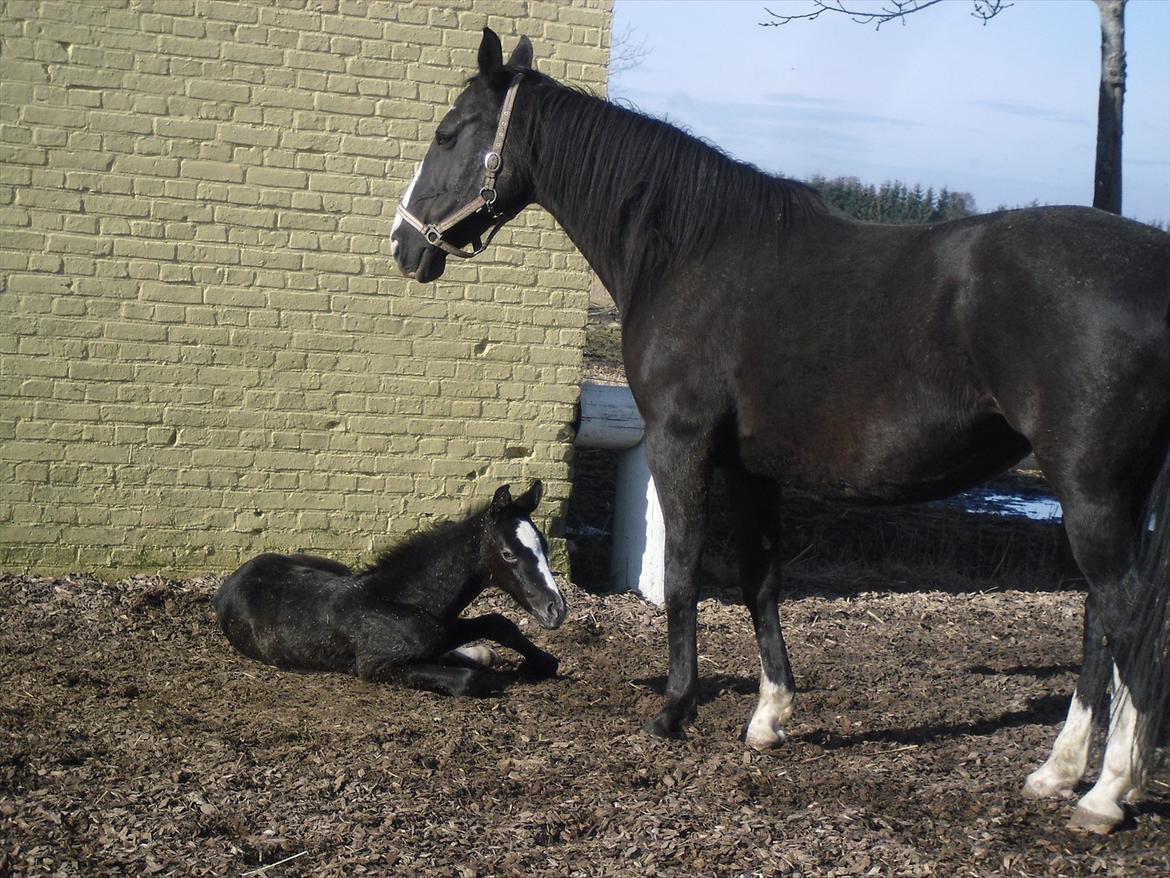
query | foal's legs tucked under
(502,630)
(756,506)
(402,646)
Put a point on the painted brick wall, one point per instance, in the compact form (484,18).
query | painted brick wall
(205,348)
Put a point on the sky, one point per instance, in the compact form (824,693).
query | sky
(1005,110)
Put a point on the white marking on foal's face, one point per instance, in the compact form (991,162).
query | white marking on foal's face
(530,539)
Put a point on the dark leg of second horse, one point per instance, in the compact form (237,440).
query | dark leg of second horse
(756,509)
(681,468)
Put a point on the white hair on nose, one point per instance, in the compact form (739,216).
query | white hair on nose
(530,539)
(406,198)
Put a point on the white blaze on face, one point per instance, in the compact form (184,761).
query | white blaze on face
(530,539)
(406,198)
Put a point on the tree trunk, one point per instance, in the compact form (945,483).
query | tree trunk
(1107,176)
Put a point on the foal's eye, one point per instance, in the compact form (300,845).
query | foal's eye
(508,555)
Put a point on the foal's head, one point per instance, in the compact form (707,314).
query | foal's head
(462,169)
(516,555)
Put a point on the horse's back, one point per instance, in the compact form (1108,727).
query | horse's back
(283,610)
(902,363)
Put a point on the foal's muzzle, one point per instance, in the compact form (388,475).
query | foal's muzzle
(551,613)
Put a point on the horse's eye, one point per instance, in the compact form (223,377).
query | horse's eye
(508,555)
(446,139)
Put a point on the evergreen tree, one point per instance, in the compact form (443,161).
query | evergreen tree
(894,201)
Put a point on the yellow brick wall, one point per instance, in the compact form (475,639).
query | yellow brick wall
(205,348)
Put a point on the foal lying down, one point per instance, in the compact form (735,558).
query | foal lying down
(399,620)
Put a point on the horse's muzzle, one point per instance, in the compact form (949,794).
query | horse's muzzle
(552,614)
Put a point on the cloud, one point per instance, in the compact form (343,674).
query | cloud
(1030,111)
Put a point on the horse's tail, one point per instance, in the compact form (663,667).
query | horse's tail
(1149,648)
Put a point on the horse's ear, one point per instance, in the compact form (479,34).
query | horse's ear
(527,501)
(502,500)
(522,55)
(491,54)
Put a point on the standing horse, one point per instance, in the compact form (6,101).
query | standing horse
(765,334)
(398,620)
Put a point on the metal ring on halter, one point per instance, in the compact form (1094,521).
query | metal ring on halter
(488,194)
(491,161)
(433,236)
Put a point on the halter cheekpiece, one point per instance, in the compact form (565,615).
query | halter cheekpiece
(485,200)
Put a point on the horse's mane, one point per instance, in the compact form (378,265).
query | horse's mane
(418,551)
(657,195)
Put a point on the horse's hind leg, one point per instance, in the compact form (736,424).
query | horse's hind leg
(756,508)
(1102,527)
(442,679)
(1063,770)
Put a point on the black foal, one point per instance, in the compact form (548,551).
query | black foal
(399,619)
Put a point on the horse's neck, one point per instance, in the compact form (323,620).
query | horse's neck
(555,194)
(442,580)
(644,201)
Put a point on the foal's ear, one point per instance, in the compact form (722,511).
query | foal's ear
(527,501)
(522,55)
(502,500)
(491,54)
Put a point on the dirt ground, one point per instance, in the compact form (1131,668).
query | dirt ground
(133,741)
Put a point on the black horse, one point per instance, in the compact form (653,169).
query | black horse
(399,620)
(767,335)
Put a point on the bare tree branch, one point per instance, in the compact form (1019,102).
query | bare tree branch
(627,50)
(985,10)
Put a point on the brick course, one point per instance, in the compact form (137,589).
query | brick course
(206,349)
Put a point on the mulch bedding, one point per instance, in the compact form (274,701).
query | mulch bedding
(133,741)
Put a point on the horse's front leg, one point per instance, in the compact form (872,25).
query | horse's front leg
(681,473)
(502,630)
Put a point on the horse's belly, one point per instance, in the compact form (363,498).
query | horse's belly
(885,461)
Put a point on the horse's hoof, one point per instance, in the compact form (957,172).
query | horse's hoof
(480,654)
(1042,785)
(763,735)
(666,725)
(540,667)
(480,684)
(1084,820)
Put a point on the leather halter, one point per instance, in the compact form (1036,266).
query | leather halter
(485,200)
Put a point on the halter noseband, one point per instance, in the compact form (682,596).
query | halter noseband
(485,200)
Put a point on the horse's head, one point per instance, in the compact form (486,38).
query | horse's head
(468,181)
(516,555)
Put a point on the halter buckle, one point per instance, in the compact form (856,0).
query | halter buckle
(432,235)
